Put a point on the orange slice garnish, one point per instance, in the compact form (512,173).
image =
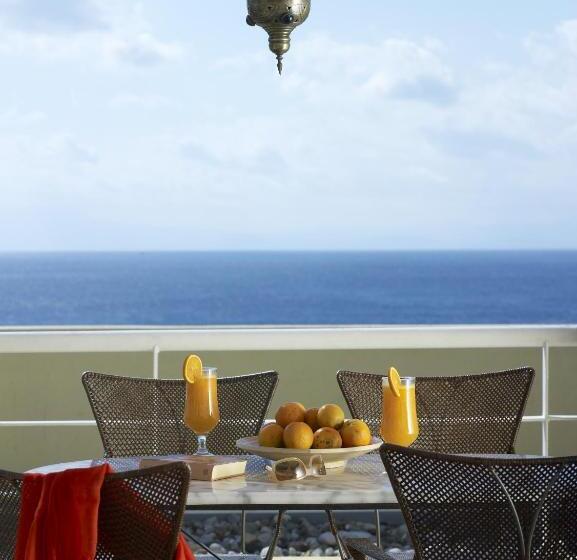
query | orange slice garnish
(192,369)
(395,382)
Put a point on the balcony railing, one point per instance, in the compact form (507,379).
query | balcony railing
(157,341)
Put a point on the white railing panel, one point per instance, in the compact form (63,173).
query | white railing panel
(143,339)
(34,340)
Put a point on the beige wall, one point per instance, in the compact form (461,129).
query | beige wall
(47,387)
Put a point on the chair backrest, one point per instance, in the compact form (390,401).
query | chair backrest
(459,508)
(145,416)
(140,513)
(463,414)
(10,488)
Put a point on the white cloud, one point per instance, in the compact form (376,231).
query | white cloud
(51,16)
(366,142)
(95,30)
(480,143)
(143,50)
(485,137)
(239,147)
(406,70)
(141,100)
(568,33)
(556,49)
(430,89)
(525,111)
(74,150)
(52,150)
(14,117)
(395,68)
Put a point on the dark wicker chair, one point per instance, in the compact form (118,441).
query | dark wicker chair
(140,513)
(472,507)
(144,416)
(463,414)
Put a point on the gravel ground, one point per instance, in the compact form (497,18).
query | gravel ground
(302,535)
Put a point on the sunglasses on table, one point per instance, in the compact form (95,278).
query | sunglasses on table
(293,468)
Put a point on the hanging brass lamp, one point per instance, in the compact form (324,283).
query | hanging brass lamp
(278,18)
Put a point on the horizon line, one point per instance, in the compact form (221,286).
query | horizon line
(180,251)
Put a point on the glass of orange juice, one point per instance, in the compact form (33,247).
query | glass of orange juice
(399,423)
(201,412)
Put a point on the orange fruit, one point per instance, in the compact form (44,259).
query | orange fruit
(327,438)
(330,416)
(311,418)
(271,435)
(192,368)
(298,435)
(355,433)
(395,382)
(290,412)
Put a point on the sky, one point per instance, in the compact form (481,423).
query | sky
(146,125)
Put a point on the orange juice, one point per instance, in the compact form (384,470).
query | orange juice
(399,424)
(201,413)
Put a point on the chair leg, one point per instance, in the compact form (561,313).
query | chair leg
(202,545)
(276,534)
(243,531)
(343,550)
(378,527)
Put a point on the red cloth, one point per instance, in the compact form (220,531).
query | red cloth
(59,516)
(182,551)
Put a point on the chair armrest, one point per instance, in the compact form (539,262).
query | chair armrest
(361,549)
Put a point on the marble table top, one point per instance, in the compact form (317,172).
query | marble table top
(361,484)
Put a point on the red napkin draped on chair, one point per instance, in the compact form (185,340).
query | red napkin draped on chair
(59,516)
(182,551)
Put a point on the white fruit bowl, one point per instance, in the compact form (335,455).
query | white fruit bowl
(332,457)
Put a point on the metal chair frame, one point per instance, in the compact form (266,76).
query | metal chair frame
(476,413)
(133,426)
(159,501)
(482,507)
(494,400)
(142,416)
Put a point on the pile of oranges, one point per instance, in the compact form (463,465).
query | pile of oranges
(296,427)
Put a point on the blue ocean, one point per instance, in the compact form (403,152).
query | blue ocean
(252,288)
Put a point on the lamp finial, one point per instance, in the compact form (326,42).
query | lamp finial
(278,18)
